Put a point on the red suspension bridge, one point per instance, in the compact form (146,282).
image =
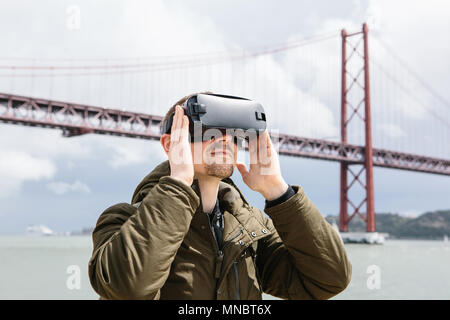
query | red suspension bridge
(356,158)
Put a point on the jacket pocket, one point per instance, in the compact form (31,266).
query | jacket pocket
(246,280)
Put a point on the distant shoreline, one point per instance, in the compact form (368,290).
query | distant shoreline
(18,235)
(434,225)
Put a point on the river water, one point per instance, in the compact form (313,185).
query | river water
(56,268)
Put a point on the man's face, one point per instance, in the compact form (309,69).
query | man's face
(218,156)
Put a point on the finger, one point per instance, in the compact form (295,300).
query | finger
(269,146)
(185,127)
(242,169)
(265,152)
(259,153)
(179,121)
(253,150)
(263,138)
(176,124)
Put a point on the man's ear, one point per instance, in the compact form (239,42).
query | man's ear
(165,142)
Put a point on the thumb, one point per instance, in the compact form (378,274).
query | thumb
(242,168)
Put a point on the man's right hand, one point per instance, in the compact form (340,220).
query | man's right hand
(180,154)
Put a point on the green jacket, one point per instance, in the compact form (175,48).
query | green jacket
(161,247)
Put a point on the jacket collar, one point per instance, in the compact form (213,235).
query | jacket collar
(238,213)
(230,197)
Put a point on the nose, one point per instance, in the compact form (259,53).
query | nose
(224,141)
(221,135)
(225,137)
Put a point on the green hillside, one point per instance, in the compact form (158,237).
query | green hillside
(429,225)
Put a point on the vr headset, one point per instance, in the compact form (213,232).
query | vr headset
(211,115)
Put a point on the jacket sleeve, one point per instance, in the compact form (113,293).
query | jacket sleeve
(304,257)
(134,248)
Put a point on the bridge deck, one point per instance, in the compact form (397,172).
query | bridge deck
(75,119)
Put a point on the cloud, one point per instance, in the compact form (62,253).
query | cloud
(398,44)
(401,105)
(31,154)
(17,167)
(128,152)
(43,142)
(300,89)
(158,29)
(391,130)
(60,188)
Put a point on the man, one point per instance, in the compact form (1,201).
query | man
(189,233)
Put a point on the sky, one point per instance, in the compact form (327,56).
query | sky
(66,183)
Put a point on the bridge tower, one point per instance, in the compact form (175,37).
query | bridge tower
(348,175)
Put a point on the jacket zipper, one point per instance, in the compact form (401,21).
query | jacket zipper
(220,256)
(219,262)
(219,251)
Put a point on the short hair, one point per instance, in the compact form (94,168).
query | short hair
(180,102)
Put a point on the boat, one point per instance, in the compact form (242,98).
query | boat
(364,237)
(39,230)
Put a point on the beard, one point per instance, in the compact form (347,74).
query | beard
(219,166)
(222,170)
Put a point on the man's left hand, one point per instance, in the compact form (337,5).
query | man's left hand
(264,175)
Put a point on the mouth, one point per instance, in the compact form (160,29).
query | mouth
(221,153)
